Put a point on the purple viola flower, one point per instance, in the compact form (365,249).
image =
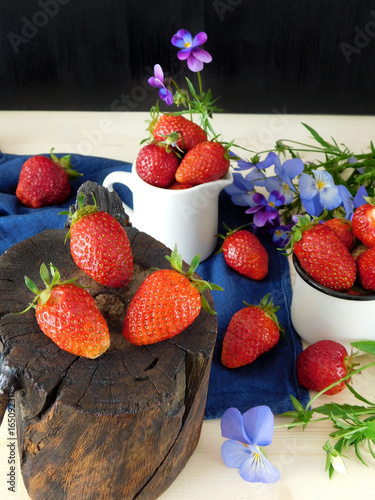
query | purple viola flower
(285,173)
(349,202)
(247,434)
(157,82)
(266,210)
(318,192)
(281,235)
(190,49)
(241,190)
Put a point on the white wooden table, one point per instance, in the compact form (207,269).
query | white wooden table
(298,454)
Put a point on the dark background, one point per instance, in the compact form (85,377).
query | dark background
(296,56)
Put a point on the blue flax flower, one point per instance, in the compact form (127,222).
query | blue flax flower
(247,434)
(285,173)
(349,203)
(190,49)
(157,82)
(266,210)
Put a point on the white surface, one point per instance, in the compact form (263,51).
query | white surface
(298,454)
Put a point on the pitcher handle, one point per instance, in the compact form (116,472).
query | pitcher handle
(125,178)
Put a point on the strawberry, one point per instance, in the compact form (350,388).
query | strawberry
(322,254)
(363,222)
(69,316)
(366,269)
(205,162)
(244,253)
(181,185)
(156,165)
(100,246)
(182,132)
(45,181)
(252,331)
(166,303)
(344,230)
(322,364)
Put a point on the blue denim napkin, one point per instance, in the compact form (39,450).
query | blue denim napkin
(271,378)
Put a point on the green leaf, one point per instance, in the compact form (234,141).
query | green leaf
(339,411)
(44,274)
(359,397)
(297,405)
(317,137)
(357,452)
(370,431)
(365,346)
(206,306)
(31,285)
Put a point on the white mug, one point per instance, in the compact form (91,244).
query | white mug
(186,217)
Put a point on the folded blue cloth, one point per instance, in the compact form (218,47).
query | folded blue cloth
(271,378)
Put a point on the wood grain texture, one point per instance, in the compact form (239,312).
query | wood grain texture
(118,427)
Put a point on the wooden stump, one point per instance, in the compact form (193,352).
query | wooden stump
(121,426)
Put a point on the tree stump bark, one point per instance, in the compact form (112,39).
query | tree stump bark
(121,426)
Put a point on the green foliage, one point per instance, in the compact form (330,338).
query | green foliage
(353,425)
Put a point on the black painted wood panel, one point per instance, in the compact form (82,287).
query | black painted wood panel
(296,56)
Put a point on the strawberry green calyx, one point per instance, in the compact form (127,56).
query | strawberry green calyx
(175,260)
(304,223)
(267,305)
(81,212)
(64,162)
(369,200)
(51,279)
(229,233)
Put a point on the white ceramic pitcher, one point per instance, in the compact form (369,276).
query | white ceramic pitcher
(186,217)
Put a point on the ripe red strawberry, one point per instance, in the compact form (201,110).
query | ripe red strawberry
(69,316)
(205,162)
(181,185)
(366,269)
(252,331)
(244,253)
(45,181)
(344,230)
(185,133)
(322,364)
(166,303)
(363,222)
(100,246)
(322,254)
(156,166)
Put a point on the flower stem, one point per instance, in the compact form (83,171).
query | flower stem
(349,375)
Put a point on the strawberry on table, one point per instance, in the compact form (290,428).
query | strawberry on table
(166,303)
(100,246)
(157,165)
(252,331)
(322,364)
(178,130)
(366,269)
(206,162)
(68,315)
(363,222)
(45,181)
(244,253)
(322,254)
(344,230)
